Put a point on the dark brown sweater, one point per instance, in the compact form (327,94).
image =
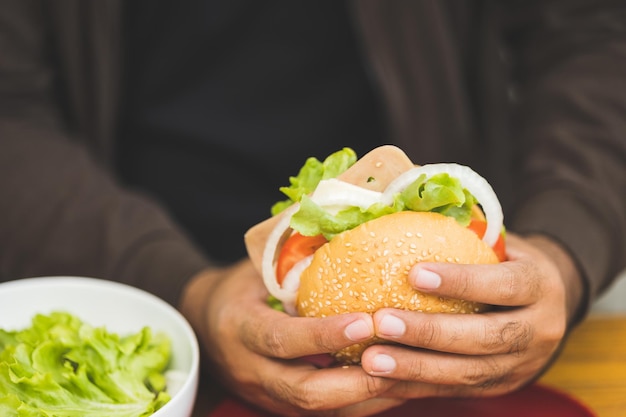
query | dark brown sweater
(531,94)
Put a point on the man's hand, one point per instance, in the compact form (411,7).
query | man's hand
(535,294)
(255,350)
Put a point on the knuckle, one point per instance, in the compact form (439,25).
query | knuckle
(275,343)
(516,282)
(415,371)
(323,340)
(483,375)
(493,385)
(513,337)
(296,395)
(508,286)
(269,339)
(463,284)
(427,333)
(517,335)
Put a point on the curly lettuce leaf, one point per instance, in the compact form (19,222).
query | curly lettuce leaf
(313,220)
(311,173)
(439,193)
(63,367)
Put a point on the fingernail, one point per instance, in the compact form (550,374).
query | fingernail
(383,364)
(427,280)
(358,330)
(391,326)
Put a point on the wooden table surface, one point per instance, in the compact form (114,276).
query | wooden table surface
(592,366)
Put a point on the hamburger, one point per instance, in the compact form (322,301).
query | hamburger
(350,231)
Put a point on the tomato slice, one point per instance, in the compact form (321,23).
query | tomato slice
(296,248)
(479,227)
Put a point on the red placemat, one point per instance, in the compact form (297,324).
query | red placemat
(533,401)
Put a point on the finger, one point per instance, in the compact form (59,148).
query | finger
(369,407)
(311,391)
(274,334)
(463,374)
(510,283)
(412,389)
(474,334)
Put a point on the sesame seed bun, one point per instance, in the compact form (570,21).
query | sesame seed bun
(366,269)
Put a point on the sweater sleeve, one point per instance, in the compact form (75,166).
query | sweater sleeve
(61,212)
(570,69)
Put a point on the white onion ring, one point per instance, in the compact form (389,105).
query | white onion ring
(286,296)
(291,282)
(474,183)
(469,179)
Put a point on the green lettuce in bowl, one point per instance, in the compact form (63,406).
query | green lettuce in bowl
(63,366)
(76,346)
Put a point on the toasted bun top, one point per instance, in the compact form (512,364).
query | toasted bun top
(366,268)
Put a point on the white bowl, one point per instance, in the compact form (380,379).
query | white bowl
(121,309)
